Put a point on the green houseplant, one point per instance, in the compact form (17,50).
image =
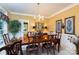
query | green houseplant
(14,27)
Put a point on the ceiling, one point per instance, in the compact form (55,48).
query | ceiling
(44,9)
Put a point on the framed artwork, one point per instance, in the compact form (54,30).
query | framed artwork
(39,26)
(70,25)
(59,26)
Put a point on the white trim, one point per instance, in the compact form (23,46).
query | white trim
(21,14)
(67,8)
(24,14)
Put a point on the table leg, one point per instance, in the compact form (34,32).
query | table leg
(39,50)
(21,50)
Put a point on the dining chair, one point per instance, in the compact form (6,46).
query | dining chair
(56,40)
(13,49)
(6,49)
(6,38)
(16,48)
(47,45)
(33,47)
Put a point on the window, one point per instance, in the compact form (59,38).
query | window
(25,28)
(3,29)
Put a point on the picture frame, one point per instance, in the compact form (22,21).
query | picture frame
(70,25)
(59,26)
(39,26)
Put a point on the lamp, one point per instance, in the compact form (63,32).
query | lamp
(34,27)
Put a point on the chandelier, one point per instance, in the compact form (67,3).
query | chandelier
(38,17)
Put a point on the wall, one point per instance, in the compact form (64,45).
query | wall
(74,11)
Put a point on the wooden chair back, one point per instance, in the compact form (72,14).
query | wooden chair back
(31,38)
(6,48)
(16,48)
(12,49)
(6,38)
(45,36)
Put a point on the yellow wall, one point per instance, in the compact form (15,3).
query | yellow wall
(74,11)
(30,18)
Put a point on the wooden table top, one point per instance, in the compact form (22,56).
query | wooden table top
(40,40)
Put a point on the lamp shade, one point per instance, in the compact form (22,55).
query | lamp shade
(45,27)
(34,27)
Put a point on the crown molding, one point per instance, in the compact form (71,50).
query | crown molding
(67,8)
(24,14)
(17,13)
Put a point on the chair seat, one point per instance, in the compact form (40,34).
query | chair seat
(32,47)
(47,45)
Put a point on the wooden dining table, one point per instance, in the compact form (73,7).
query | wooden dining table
(39,40)
(42,40)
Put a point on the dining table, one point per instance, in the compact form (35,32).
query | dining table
(42,40)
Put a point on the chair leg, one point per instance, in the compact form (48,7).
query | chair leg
(47,51)
(54,50)
(58,47)
(42,49)
(36,52)
(50,50)
(27,52)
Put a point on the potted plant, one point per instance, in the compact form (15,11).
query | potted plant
(14,27)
